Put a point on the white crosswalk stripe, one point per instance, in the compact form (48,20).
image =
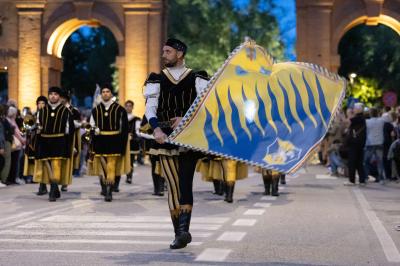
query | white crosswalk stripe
(107,230)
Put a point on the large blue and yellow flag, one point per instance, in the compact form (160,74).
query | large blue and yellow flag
(262,113)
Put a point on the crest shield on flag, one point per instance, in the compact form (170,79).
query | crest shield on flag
(260,112)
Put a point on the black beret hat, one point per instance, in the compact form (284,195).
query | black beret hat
(55,89)
(176,44)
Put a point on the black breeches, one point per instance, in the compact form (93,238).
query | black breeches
(187,165)
(178,171)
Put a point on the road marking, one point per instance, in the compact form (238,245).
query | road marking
(52,225)
(92,241)
(37,216)
(94,252)
(231,236)
(96,233)
(128,219)
(244,222)
(388,246)
(254,212)
(16,216)
(268,198)
(328,177)
(213,254)
(262,205)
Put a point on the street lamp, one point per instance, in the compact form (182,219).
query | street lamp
(352,76)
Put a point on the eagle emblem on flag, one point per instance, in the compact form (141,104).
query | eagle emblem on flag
(260,112)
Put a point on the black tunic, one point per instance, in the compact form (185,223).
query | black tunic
(53,140)
(113,125)
(175,98)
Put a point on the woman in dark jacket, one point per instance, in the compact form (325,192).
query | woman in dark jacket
(355,140)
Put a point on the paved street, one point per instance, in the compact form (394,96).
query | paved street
(315,221)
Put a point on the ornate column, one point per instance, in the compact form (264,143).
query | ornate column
(120,65)
(136,53)
(52,67)
(155,36)
(314,29)
(29,51)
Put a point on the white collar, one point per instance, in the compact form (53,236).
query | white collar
(54,105)
(177,71)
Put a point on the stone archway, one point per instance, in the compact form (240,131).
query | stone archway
(322,23)
(34,32)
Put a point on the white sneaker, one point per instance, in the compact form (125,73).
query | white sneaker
(347,183)
(2,185)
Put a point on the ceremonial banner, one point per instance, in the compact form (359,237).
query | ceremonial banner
(262,113)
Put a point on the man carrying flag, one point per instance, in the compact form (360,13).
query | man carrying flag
(169,96)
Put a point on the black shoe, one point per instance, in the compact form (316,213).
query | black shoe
(182,235)
(64,188)
(109,190)
(52,194)
(42,190)
(229,188)
(116,184)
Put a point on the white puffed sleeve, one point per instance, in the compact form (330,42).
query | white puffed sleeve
(151,93)
(201,84)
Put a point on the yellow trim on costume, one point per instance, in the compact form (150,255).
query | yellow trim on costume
(109,133)
(55,119)
(52,158)
(172,79)
(52,135)
(62,114)
(110,115)
(107,155)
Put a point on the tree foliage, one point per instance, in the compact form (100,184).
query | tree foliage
(213,28)
(372,53)
(365,90)
(88,57)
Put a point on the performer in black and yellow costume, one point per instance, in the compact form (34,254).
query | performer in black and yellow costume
(76,116)
(168,97)
(31,142)
(110,142)
(224,173)
(53,160)
(133,128)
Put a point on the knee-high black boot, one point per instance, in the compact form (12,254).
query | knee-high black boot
(229,188)
(267,185)
(103,187)
(116,184)
(109,190)
(52,194)
(129,177)
(275,187)
(217,186)
(42,189)
(283,179)
(182,237)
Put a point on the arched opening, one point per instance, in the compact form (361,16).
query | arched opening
(86,52)
(370,58)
